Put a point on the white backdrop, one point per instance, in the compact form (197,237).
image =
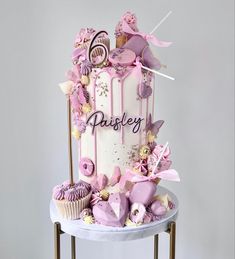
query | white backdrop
(36,44)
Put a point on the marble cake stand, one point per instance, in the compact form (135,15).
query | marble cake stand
(77,228)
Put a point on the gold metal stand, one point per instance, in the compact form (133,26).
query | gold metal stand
(172,232)
(156,246)
(57,232)
(73,247)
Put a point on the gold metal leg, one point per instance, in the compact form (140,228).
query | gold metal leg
(57,232)
(156,247)
(172,232)
(73,247)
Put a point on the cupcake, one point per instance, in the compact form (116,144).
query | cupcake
(70,200)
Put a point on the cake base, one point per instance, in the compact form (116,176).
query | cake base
(97,232)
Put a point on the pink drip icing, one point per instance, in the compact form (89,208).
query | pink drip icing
(147,114)
(111,104)
(147,109)
(80,149)
(122,110)
(140,115)
(153,96)
(95,133)
(111,97)
(94,107)
(122,103)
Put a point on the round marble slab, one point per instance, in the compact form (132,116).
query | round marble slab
(97,232)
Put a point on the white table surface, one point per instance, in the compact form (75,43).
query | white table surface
(97,232)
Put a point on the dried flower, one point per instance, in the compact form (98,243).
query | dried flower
(76,133)
(86,108)
(150,137)
(104,194)
(89,220)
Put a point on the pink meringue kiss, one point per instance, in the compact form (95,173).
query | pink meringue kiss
(158,209)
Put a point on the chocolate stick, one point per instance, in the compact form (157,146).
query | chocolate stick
(70,142)
(158,73)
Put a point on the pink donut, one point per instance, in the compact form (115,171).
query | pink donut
(86,166)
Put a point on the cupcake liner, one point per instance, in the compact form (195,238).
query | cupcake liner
(72,209)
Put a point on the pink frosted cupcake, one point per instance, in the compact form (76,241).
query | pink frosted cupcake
(71,200)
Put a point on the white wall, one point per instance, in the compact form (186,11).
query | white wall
(35,47)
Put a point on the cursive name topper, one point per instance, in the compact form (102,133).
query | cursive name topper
(98,118)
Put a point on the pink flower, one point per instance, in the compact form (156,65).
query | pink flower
(130,18)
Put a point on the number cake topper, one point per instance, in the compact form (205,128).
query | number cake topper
(98,52)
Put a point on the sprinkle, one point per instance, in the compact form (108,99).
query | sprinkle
(88,220)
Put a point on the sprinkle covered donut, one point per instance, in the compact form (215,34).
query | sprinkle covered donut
(86,166)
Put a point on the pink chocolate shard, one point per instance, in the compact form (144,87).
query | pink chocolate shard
(99,182)
(128,186)
(143,192)
(112,212)
(116,176)
(124,178)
